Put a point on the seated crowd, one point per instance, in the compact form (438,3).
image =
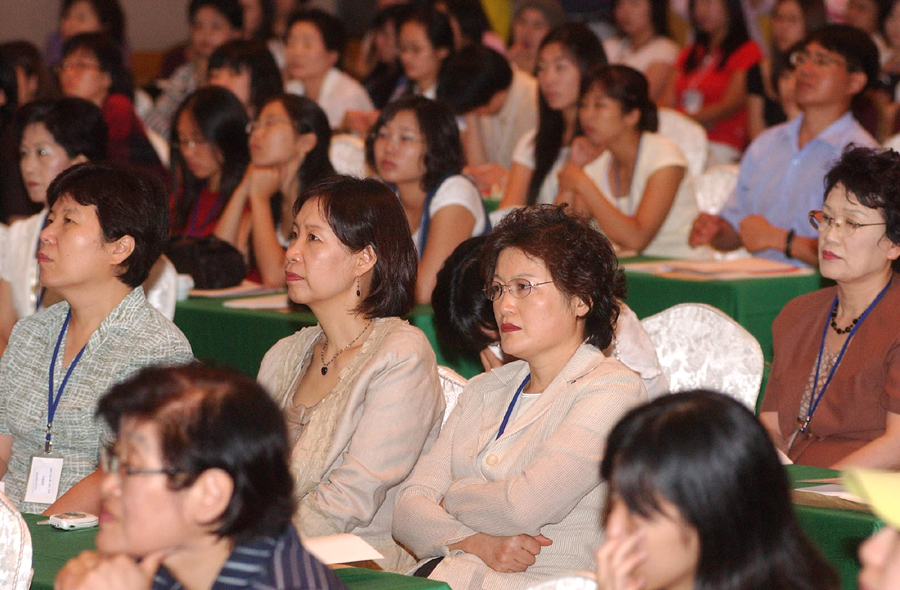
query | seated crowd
(432,163)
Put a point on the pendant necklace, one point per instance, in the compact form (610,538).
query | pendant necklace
(325,345)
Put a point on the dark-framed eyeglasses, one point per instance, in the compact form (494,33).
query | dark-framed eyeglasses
(110,462)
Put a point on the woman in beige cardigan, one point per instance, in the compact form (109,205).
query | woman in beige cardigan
(511,492)
(360,390)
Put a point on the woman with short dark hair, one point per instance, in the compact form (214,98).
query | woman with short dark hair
(833,396)
(248,70)
(415,147)
(697,489)
(106,227)
(510,493)
(360,390)
(214,503)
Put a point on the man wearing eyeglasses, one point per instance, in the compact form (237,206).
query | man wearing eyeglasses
(782,171)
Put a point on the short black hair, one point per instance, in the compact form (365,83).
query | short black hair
(581,261)
(709,456)
(443,147)
(257,60)
(334,35)
(485,72)
(129,202)
(659,15)
(629,88)
(230,9)
(214,418)
(108,12)
(872,176)
(9,86)
(854,45)
(308,117)
(462,314)
(436,24)
(366,212)
(76,124)
(109,56)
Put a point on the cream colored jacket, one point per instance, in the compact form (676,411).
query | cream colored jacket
(541,477)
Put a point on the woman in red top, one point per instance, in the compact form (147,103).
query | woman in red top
(209,156)
(710,81)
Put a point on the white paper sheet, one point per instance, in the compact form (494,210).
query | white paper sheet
(721,269)
(343,548)
(245,288)
(833,489)
(274,301)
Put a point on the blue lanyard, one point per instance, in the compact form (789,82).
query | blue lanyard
(512,405)
(816,398)
(52,402)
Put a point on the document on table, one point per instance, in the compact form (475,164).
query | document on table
(741,268)
(836,490)
(343,548)
(245,288)
(273,301)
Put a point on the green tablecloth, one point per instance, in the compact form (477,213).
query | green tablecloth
(240,338)
(837,533)
(52,548)
(753,303)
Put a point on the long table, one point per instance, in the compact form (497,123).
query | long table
(836,533)
(53,548)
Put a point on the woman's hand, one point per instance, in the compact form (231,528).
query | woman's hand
(504,554)
(262,183)
(92,570)
(571,178)
(489,361)
(617,561)
(583,151)
(490,177)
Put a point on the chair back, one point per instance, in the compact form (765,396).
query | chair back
(571,582)
(687,134)
(713,188)
(161,287)
(16,553)
(452,384)
(348,155)
(699,346)
(893,143)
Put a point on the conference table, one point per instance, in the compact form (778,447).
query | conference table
(240,337)
(837,534)
(52,548)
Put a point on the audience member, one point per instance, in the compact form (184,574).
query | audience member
(859,246)
(698,499)
(212,504)
(532,20)
(635,190)
(106,227)
(498,105)
(209,156)
(792,21)
(289,143)
(213,23)
(51,136)
(92,69)
(781,174)
(426,40)
(360,391)
(869,16)
(314,46)
(33,79)
(86,16)
(466,328)
(880,555)
(415,147)
(710,84)
(470,24)
(510,492)
(386,73)
(566,55)
(249,71)
(13,200)
(642,41)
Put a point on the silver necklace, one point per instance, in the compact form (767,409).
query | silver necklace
(325,345)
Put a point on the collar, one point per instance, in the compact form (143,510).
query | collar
(586,358)
(834,135)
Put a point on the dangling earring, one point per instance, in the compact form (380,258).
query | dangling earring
(357,286)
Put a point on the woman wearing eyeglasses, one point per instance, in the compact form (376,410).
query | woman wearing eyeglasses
(509,493)
(289,143)
(833,397)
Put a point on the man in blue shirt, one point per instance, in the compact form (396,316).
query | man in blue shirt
(782,171)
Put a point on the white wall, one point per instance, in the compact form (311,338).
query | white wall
(151,24)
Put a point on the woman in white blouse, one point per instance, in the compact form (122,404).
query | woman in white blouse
(415,147)
(643,41)
(635,190)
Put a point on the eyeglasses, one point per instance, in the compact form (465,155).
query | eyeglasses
(110,462)
(401,139)
(820,60)
(518,288)
(267,123)
(189,144)
(77,65)
(822,221)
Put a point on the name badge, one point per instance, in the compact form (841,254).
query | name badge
(692,101)
(43,479)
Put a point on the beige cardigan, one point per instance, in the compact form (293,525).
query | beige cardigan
(542,476)
(364,438)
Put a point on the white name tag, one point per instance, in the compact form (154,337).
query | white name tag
(43,479)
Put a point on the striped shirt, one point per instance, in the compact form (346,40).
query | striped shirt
(266,564)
